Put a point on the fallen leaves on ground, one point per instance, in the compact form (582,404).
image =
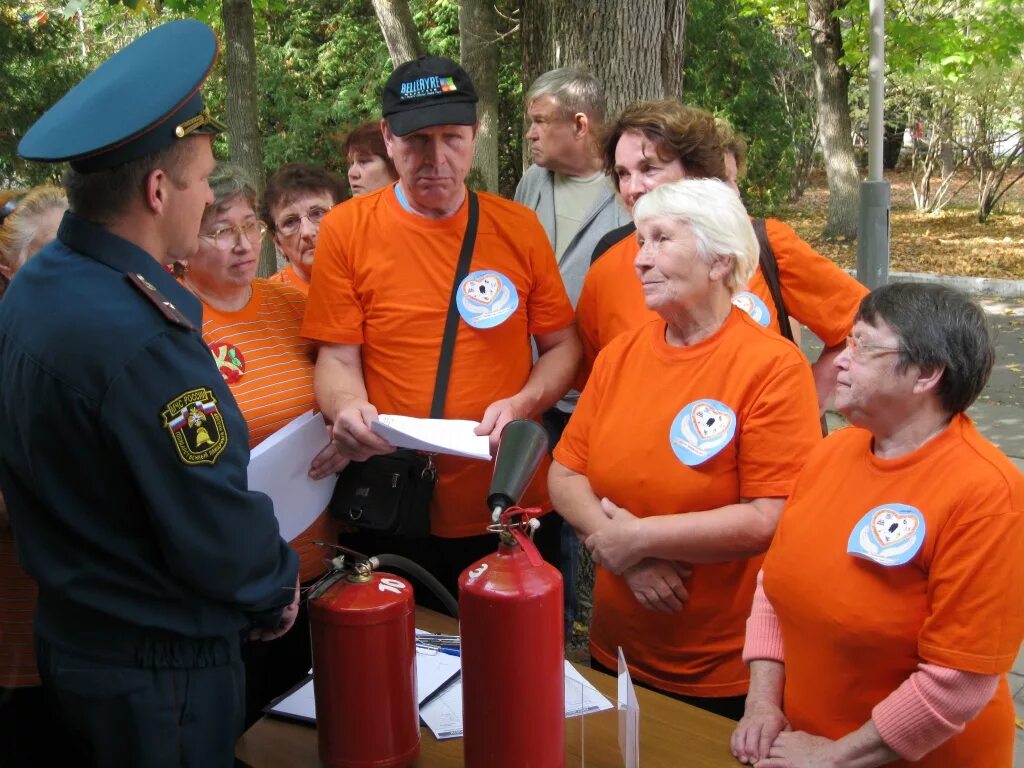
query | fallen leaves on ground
(950,243)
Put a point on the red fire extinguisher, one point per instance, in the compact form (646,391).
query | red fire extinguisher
(364,670)
(513,689)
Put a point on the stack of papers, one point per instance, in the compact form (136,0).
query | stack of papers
(443,715)
(434,670)
(451,436)
(439,672)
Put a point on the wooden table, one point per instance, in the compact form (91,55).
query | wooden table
(671,733)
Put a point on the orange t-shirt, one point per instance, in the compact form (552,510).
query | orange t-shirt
(382,279)
(17,607)
(956,603)
(289,276)
(622,436)
(815,291)
(268,366)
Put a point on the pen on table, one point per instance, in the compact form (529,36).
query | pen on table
(433,649)
(441,689)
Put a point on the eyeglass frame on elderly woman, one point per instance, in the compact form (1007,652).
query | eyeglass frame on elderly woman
(852,345)
(246,230)
(290,226)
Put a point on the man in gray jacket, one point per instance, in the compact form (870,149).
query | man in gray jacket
(566,185)
(577,206)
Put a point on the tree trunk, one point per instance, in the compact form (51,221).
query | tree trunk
(536,52)
(399,31)
(832,83)
(609,49)
(241,107)
(478,42)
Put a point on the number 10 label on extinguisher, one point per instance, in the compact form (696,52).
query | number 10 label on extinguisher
(391,585)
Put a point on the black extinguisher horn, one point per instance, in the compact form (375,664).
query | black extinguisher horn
(521,448)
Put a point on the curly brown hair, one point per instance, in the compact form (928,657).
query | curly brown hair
(678,132)
(293,180)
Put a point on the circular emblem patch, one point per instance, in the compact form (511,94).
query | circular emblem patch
(229,361)
(751,304)
(890,534)
(701,430)
(486,298)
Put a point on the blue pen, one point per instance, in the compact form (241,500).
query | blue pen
(450,651)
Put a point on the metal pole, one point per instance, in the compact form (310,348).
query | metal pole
(873,230)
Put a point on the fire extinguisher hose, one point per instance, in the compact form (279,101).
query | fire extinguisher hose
(421,574)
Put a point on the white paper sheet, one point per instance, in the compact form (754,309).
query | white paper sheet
(279,467)
(433,668)
(443,715)
(451,436)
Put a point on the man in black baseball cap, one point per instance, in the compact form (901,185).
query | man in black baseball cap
(122,453)
(386,266)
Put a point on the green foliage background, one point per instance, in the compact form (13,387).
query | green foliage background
(322,65)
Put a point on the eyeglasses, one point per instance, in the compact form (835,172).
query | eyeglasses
(859,351)
(226,238)
(290,225)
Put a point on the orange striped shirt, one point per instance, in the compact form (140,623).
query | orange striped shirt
(269,368)
(17,606)
(289,276)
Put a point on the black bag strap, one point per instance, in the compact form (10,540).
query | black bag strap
(451,323)
(770,270)
(611,238)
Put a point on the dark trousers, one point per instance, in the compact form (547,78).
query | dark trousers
(32,730)
(140,717)
(726,706)
(555,422)
(445,559)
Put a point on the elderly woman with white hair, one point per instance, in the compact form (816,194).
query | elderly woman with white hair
(684,445)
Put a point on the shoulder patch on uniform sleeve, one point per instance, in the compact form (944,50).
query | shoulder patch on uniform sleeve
(196,426)
(167,309)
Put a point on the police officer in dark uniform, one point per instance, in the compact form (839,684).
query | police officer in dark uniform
(122,453)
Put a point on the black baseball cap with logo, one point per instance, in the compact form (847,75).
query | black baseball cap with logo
(428,91)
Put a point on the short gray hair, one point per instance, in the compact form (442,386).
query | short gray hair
(227,182)
(718,220)
(573,91)
(938,328)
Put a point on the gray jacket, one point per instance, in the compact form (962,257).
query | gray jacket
(536,190)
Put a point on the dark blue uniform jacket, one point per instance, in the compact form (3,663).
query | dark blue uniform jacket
(123,463)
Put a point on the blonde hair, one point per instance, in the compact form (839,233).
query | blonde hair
(19,227)
(718,220)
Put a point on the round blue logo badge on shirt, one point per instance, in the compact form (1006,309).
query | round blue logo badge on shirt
(486,298)
(751,304)
(701,430)
(890,534)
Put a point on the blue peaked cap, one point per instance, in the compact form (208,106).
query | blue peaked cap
(140,100)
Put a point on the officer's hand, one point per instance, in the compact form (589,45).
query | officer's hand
(352,432)
(329,461)
(498,414)
(287,619)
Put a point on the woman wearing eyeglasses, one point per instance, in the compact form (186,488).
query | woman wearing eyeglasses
(252,328)
(297,197)
(888,610)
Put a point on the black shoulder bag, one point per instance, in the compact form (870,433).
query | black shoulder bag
(391,494)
